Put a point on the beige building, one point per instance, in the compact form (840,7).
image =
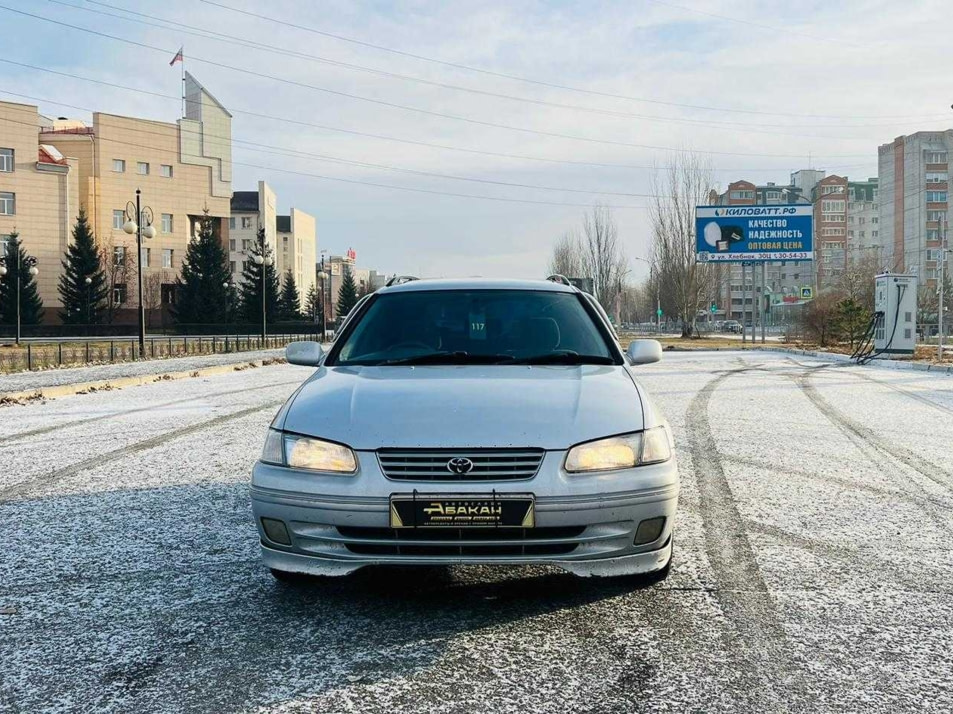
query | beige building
(297,244)
(250,211)
(39,195)
(181,169)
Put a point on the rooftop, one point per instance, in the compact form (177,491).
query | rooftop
(245,202)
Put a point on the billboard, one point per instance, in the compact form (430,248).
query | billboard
(754,233)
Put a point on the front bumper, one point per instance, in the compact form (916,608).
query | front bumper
(585,524)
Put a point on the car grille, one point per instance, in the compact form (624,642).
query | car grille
(488,464)
(461,541)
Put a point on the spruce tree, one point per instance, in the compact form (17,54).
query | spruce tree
(202,292)
(347,293)
(31,306)
(289,303)
(82,303)
(313,304)
(250,290)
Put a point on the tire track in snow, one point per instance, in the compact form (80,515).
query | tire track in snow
(19,489)
(869,437)
(118,415)
(759,638)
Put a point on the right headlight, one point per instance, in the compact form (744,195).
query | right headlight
(640,448)
(305,452)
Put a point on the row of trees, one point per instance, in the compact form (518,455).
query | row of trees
(204,290)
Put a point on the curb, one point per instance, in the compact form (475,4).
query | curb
(886,364)
(66,390)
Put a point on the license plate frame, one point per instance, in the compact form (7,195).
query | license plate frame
(462,510)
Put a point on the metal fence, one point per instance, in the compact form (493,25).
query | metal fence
(76,352)
(127,330)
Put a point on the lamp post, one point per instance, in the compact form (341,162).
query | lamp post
(89,311)
(30,263)
(264,262)
(322,276)
(132,225)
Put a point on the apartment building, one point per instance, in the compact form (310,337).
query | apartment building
(297,243)
(251,211)
(39,195)
(181,169)
(829,196)
(914,201)
(863,221)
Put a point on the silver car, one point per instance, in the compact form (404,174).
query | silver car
(469,421)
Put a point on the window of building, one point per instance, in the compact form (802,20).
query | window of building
(773,195)
(6,160)
(167,257)
(146,255)
(862,234)
(936,196)
(231,223)
(850,234)
(835,188)
(119,294)
(165,171)
(119,166)
(231,266)
(937,216)
(4,242)
(166,222)
(933,234)
(118,219)
(119,255)
(932,254)
(937,177)
(246,221)
(936,157)
(875,220)
(142,168)
(874,234)
(833,206)
(231,244)
(850,219)
(8,204)
(835,217)
(931,273)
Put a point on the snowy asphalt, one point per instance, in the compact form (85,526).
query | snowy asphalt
(813,567)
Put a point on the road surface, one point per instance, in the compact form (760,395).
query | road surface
(813,570)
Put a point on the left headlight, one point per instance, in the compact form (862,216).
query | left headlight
(651,446)
(303,452)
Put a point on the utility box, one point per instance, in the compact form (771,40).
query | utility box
(895,303)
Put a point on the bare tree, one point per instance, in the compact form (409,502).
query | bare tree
(566,258)
(685,284)
(603,259)
(120,270)
(152,293)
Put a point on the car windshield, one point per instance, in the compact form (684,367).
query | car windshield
(475,327)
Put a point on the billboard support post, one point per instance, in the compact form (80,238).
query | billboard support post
(761,304)
(744,303)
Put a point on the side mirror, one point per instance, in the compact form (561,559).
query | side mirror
(644,351)
(306,354)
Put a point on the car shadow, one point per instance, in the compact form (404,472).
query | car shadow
(156,599)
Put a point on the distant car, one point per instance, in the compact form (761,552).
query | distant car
(731,326)
(469,421)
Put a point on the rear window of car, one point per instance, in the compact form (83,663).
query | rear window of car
(480,323)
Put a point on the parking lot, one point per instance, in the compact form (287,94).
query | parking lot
(813,567)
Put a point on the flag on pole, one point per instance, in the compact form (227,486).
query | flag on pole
(179,57)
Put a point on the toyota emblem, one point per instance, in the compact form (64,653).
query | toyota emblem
(460,465)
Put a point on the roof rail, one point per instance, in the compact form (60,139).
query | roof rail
(561,279)
(400,280)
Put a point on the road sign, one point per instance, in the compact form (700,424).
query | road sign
(754,233)
(807,293)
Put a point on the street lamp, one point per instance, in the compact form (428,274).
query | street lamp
(30,262)
(322,276)
(264,262)
(89,282)
(132,225)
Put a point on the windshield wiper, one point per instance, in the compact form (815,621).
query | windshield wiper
(458,357)
(569,357)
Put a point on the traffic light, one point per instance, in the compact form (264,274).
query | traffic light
(714,307)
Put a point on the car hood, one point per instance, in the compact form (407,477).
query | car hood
(551,407)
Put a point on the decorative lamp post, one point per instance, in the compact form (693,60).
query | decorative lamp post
(89,311)
(135,217)
(322,276)
(264,262)
(30,263)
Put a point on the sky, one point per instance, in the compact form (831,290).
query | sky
(477,93)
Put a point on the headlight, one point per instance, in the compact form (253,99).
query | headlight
(620,452)
(302,452)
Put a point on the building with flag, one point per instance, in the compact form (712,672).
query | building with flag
(181,168)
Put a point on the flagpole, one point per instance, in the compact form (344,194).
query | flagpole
(183,82)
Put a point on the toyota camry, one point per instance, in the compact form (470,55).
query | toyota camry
(469,421)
